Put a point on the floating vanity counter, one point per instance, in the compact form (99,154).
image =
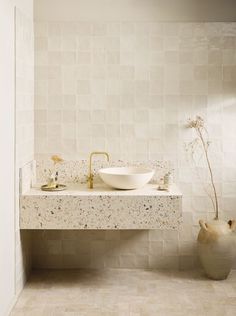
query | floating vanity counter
(101,208)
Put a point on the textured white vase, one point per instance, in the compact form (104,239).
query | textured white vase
(216,247)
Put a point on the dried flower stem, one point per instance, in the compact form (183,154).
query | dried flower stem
(205,149)
(205,188)
(198,125)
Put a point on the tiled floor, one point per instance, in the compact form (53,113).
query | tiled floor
(126,293)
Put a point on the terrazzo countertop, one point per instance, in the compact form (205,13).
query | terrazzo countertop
(101,208)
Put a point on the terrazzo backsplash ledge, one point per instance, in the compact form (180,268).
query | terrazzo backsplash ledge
(76,171)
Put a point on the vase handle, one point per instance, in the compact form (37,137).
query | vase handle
(232,224)
(203,225)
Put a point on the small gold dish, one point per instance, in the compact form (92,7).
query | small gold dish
(59,187)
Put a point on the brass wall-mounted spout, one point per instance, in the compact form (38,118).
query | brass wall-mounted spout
(91,175)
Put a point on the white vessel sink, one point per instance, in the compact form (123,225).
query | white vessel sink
(126,178)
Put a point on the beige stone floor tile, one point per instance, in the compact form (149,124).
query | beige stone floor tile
(126,292)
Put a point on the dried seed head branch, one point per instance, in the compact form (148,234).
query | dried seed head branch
(200,129)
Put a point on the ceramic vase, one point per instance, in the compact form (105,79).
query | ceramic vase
(216,247)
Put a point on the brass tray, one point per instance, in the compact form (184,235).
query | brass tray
(59,187)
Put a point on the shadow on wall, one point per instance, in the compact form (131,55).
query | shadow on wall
(23,259)
(73,249)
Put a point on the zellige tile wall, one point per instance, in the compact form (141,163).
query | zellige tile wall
(128,88)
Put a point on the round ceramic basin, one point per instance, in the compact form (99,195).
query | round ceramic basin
(126,178)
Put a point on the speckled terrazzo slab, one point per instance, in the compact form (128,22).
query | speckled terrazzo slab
(77,171)
(101,208)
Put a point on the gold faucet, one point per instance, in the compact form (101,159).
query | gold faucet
(91,176)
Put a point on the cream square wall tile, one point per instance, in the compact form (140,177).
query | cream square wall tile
(128,88)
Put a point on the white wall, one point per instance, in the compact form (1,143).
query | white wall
(7,256)
(24,130)
(7,145)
